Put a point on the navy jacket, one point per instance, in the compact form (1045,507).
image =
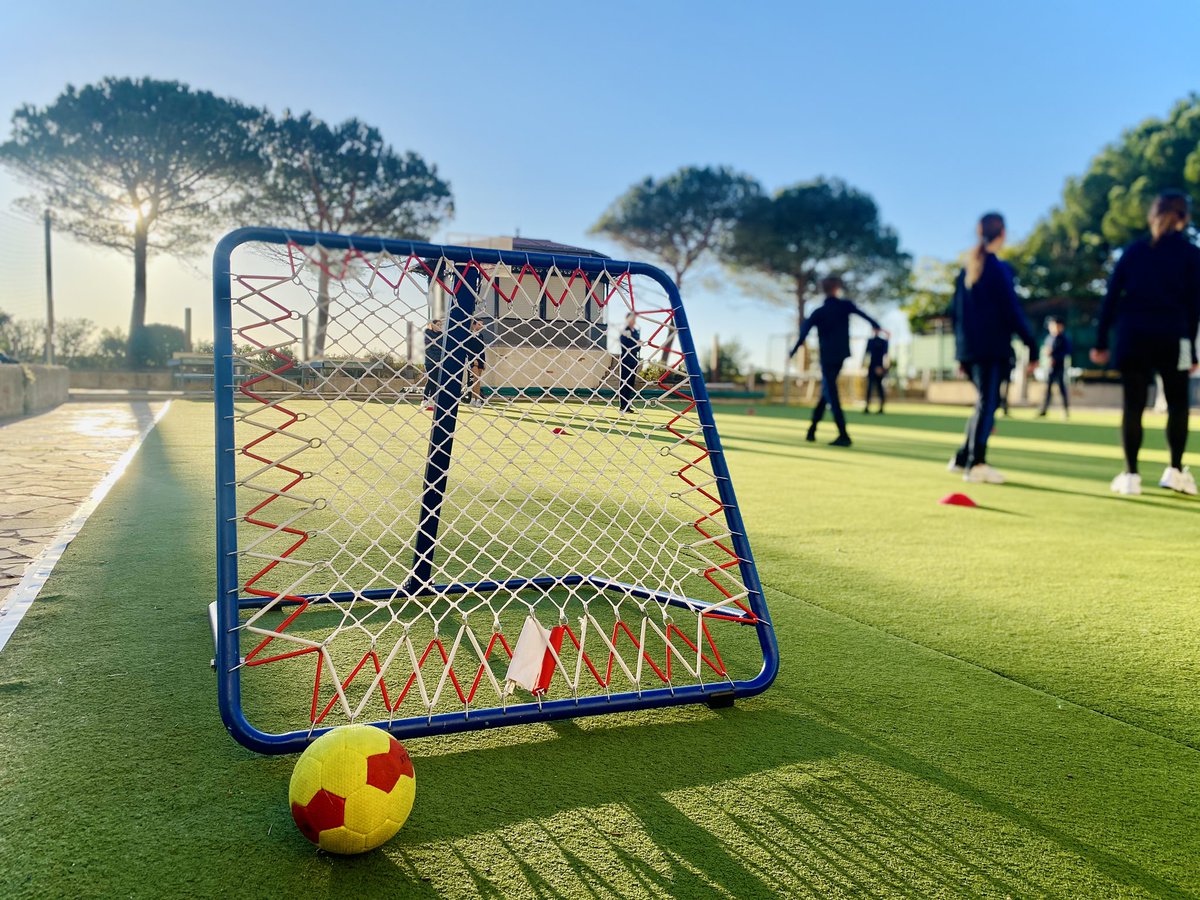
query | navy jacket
(987,315)
(832,321)
(877,351)
(433,345)
(1153,298)
(476,347)
(1059,347)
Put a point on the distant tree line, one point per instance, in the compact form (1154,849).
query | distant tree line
(78,345)
(140,165)
(1063,265)
(780,244)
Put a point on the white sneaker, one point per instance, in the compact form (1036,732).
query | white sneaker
(953,466)
(1127,483)
(478,404)
(983,474)
(1175,480)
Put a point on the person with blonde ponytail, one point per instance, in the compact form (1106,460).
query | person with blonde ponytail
(1153,302)
(986,315)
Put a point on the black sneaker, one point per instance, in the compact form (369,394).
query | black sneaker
(842,440)
(811,436)
(866,411)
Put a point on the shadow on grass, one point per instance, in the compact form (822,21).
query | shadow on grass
(807,807)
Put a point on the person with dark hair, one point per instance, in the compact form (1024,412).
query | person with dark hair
(1153,303)
(986,315)
(631,346)
(433,358)
(832,321)
(877,363)
(476,347)
(1057,348)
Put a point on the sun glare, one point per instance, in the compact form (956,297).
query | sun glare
(133,213)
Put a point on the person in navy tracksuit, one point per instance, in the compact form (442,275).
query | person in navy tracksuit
(1153,303)
(628,361)
(876,359)
(1058,348)
(433,358)
(832,321)
(986,315)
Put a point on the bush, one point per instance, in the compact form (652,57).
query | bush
(153,346)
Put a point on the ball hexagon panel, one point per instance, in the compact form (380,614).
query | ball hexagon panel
(343,771)
(385,769)
(343,840)
(306,780)
(323,812)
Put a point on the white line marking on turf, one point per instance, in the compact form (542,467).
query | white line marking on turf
(22,596)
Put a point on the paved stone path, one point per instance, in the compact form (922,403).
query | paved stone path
(49,464)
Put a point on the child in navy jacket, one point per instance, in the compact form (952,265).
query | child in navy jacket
(832,321)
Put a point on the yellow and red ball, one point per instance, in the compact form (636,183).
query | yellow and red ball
(352,789)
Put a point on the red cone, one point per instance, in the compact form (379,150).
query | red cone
(957,500)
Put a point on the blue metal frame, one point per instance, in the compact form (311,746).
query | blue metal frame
(448,396)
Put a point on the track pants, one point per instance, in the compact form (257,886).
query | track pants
(829,397)
(987,378)
(874,383)
(1058,376)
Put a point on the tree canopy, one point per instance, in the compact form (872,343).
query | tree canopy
(134,164)
(681,220)
(346,178)
(1071,249)
(818,228)
(930,291)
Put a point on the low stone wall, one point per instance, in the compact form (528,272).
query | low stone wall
(962,393)
(122,381)
(26,389)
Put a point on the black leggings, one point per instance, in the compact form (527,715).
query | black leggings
(1136,383)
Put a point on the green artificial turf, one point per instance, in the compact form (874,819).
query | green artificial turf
(991,702)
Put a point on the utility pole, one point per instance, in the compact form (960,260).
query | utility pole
(49,294)
(187,329)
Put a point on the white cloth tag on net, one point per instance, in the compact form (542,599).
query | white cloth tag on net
(525,667)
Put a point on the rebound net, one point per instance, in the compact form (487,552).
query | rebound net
(465,487)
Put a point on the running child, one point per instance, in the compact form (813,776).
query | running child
(832,321)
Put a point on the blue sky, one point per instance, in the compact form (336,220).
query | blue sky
(539,114)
